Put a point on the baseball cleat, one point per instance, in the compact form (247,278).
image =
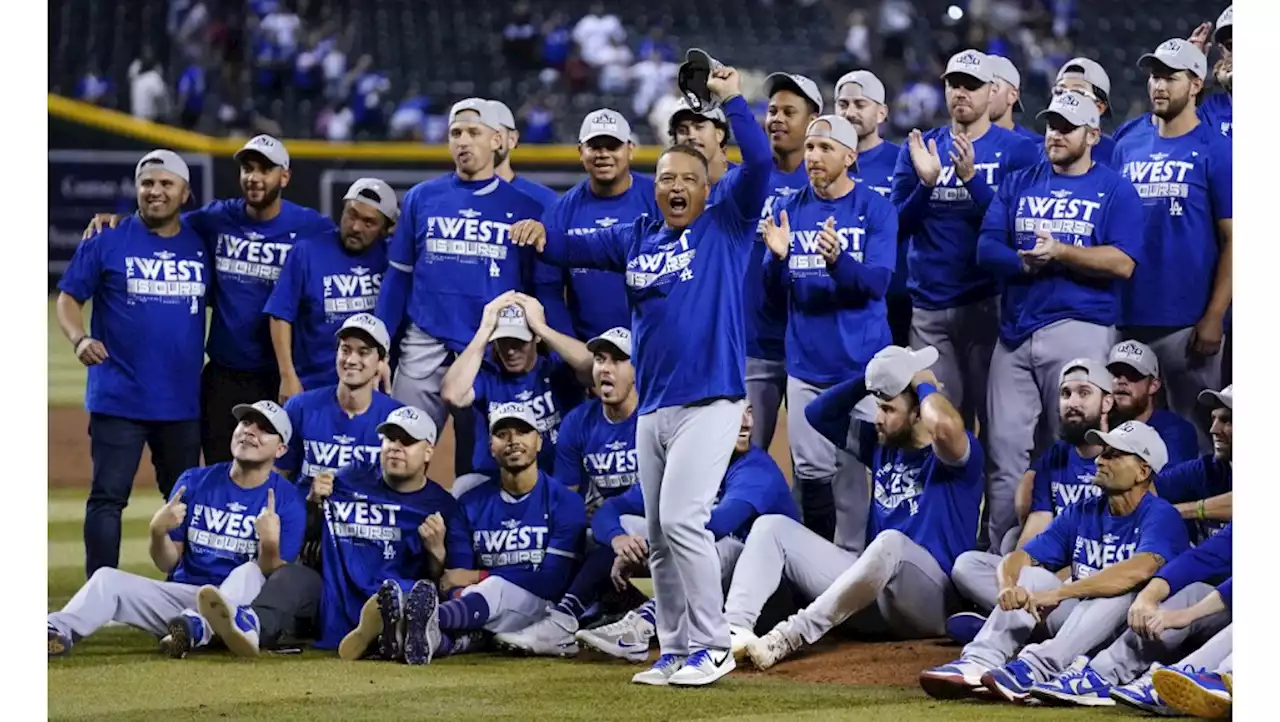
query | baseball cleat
(1141,694)
(628,638)
(1195,692)
(551,636)
(422,623)
(184,634)
(1079,685)
(773,647)
(956,680)
(963,627)
(238,628)
(1012,682)
(703,667)
(739,639)
(367,631)
(59,643)
(661,672)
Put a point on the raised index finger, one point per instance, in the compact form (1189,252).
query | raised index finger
(177,495)
(271,499)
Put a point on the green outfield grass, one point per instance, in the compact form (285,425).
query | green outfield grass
(66,374)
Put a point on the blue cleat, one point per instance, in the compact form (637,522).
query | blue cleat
(963,627)
(1012,682)
(1079,685)
(1193,691)
(1141,694)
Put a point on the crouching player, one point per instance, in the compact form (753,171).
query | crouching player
(926,490)
(207,540)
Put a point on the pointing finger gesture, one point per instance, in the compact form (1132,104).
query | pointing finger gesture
(170,516)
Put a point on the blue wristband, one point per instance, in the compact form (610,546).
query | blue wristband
(923,390)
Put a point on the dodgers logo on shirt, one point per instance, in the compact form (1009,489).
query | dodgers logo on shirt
(669,263)
(226,532)
(251,258)
(161,279)
(898,483)
(1060,214)
(510,544)
(466,237)
(349,293)
(360,519)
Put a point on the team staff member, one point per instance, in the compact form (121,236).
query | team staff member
(831,275)
(942,185)
(860,99)
(688,266)
(1008,97)
(147,278)
(1135,381)
(326,281)
(612,193)
(1061,236)
(249,239)
(1088,78)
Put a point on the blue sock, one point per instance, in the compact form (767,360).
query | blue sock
(446,646)
(468,612)
(648,612)
(572,606)
(585,588)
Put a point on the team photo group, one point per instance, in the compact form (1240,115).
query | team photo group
(1001,356)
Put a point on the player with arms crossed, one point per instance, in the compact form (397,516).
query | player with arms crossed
(685,276)
(926,493)
(1061,236)
(208,541)
(1113,544)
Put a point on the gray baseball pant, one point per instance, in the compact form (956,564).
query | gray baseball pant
(1131,655)
(682,454)
(965,336)
(1182,381)
(823,470)
(420,372)
(1078,626)
(728,548)
(1214,655)
(976,578)
(894,587)
(1022,405)
(111,595)
(766,384)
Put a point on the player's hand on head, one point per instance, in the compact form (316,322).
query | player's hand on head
(925,376)
(432,530)
(99,223)
(321,487)
(489,318)
(529,232)
(534,314)
(777,236)
(725,82)
(829,242)
(170,516)
(1202,37)
(268,522)
(90,351)
(924,158)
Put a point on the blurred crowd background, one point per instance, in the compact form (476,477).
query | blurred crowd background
(346,70)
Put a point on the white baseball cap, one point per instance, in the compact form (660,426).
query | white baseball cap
(872,88)
(369,325)
(1223,24)
(836,128)
(513,411)
(505,116)
(605,123)
(973,63)
(488,114)
(413,421)
(890,371)
(1074,108)
(377,193)
(165,160)
(1090,71)
(791,81)
(1134,437)
(1137,356)
(617,337)
(267,147)
(1178,54)
(1003,68)
(270,412)
(512,324)
(1087,370)
(1217,399)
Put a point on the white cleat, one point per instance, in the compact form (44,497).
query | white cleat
(628,638)
(739,638)
(773,647)
(552,636)
(704,667)
(660,674)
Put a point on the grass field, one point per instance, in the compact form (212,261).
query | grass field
(118,674)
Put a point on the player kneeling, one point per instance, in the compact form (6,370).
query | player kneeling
(209,543)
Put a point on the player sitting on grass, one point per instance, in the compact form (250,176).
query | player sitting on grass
(926,489)
(753,486)
(1114,545)
(229,524)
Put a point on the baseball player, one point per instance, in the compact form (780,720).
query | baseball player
(1177,611)
(753,486)
(326,281)
(942,185)
(1008,97)
(1088,78)
(1061,236)
(927,490)
(830,274)
(708,133)
(1113,544)
(334,426)
(596,449)
(513,325)
(207,539)
(527,533)
(449,256)
(1215,110)
(148,279)
(1061,476)
(689,266)
(861,100)
(1176,300)
(1201,489)
(1135,381)
(249,238)
(612,193)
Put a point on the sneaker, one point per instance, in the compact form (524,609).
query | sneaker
(739,639)
(1193,691)
(661,672)
(422,623)
(237,628)
(59,643)
(703,667)
(1079,685)
(1012,682)
(627,638)
(552,636)
(1141,694)
(963,627)
(955,680)
(185,632)
(774,646)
